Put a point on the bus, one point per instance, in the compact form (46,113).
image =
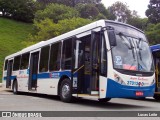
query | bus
(156,56)
(102,60)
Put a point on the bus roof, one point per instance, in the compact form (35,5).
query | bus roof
(99,23)
(155,48)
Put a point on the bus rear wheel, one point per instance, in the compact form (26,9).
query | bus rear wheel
(15,87)
(65,90)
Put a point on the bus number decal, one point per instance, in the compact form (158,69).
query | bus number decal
(135,83)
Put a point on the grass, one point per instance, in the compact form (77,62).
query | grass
(12,36)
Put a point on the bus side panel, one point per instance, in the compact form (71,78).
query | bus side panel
(47,86)
(22,79)
(103,89)
(4,77)
(47,83)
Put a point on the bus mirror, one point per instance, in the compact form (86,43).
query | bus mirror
(112,38)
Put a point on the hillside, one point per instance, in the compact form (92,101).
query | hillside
(12,34)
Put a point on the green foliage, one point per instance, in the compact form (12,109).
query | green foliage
(22,10)
(138,22)
(153,33)
(56,12)
(71,3)
(102,9)
(88,11)
(55,20)
(47,29)
(12,36)
(153,11)
(100,16)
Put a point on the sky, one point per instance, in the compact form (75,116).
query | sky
(139,5)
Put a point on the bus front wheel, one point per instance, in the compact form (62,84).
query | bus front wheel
(65,90)
(15,87)
(157,97)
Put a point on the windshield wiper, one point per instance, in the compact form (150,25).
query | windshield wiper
(130,46)
(140,55)
(121,36)
(139,49)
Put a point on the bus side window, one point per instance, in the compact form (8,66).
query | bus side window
(55,56)
(67,54)
(24,61)
(16,64)
(5,65)
(43,66)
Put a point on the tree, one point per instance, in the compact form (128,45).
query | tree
(121,11)
(3,7)
(88,11)
(71,3)
(138,22)
(152,32)
(153,11)
(56,12)
(22,10)
(47,29)
(102,9)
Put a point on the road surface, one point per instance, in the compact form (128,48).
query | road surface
(38,102)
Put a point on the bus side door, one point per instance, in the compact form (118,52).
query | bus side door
(9,73)
(33,70)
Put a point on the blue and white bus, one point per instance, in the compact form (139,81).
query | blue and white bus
(102,60)
(156,56)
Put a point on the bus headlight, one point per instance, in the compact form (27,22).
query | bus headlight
(153,81)
(119,80)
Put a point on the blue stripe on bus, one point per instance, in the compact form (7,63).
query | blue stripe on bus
(11,78)
(155,48)
(49,75)
(34,77)
(115,90)
(54,74)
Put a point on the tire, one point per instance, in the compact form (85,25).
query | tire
(65,91)
(104,100)
(15,87)
(157,97)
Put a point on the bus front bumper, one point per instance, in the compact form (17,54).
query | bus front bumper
(116,90)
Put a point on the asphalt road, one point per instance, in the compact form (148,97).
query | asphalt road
(34,102)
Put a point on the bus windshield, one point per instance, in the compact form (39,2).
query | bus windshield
(132,51)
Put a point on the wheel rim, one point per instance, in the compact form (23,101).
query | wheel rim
(65,90)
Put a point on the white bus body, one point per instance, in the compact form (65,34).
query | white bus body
(102,60)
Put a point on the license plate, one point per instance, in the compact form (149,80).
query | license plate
(139,93)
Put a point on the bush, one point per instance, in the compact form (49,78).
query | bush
(56,12)
(47,29)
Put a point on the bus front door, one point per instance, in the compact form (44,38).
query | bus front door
(33,70)
(77,66)
(85,64)
(94,63)
(9,73)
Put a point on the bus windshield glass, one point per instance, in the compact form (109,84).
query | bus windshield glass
(132,51)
